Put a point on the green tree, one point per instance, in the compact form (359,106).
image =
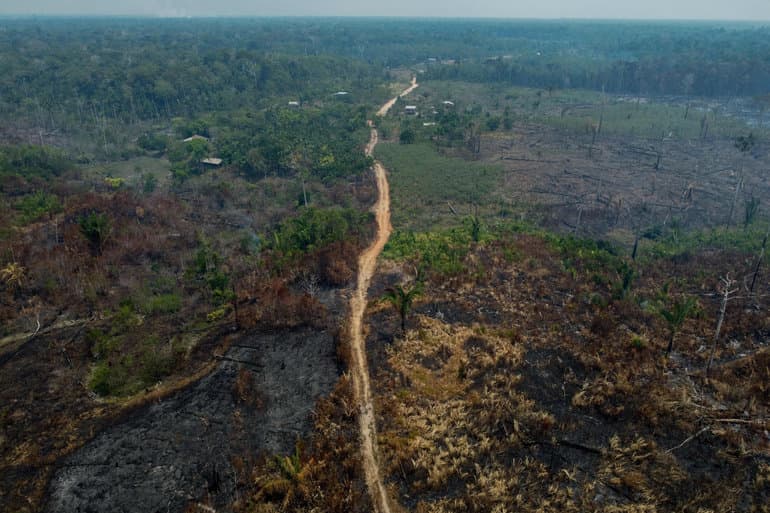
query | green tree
(34,206)
(627,274)
(96,228)
(475,227)
(149,182)
(493,123)
(402,300)
(407,136)
(675,317)
(197,149)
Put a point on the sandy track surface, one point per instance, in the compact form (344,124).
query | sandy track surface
(385,108)
(367,263)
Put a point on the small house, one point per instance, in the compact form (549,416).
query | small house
(195,137)
(448,104)
(294,105)
(212,162)
(410,110)
(342,96)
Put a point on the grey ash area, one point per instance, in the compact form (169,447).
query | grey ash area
(179,449)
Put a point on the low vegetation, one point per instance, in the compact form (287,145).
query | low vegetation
(558,394)
(429,185)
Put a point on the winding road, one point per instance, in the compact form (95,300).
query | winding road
(367,263)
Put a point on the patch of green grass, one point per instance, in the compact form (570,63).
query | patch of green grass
(443,250)
(651,120)
(163,304)
(34,206)
(128,373)
(439,251)
(135,172)
(423,182)
(576,110)
(674,242)
(593,256)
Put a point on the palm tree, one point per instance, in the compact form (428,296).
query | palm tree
(402,299)
(13,275)
(475,227)
(676,316)
(292,481)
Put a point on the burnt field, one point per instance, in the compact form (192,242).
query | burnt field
(625,183)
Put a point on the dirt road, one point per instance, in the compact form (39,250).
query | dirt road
(385,108)
(367,262)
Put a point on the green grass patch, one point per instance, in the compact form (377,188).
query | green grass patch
(441,251)
(135,172)
(163,304)
(675,242)
(577,110)
(444,250)
(649,120)
(423,181)
(34,206)
(127,374)
(125,361)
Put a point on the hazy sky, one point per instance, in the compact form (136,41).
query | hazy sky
(634,9)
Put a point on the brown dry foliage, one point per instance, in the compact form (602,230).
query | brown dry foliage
(477,418)
(272,304)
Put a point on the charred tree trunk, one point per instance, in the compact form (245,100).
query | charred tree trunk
(738,188)
(670,343)
(727,282)
(636,247)
(759,263)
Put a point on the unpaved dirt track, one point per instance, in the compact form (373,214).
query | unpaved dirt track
(367,262)
(385,108)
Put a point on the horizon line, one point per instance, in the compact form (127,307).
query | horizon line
(357,16)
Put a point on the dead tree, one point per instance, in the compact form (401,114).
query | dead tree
(759,262)
(727,294)
(687,82)
(738,187)
(579,217)
(596,128)
(744,144)
(644,228)
(704,126)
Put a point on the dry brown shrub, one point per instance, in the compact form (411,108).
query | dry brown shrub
(274,305)
(337,263)
(343,347)
(245,392)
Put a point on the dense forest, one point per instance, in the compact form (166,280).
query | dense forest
(140,69)
(570,314)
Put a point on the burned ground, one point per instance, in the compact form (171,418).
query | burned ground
(185,447)
(543,406)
